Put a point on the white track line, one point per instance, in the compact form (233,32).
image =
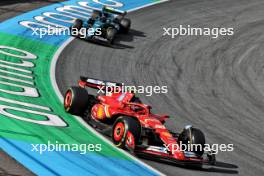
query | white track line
(57,91)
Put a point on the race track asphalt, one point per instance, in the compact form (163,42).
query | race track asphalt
(216,85)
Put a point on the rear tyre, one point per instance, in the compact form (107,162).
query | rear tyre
(76,101)
(119,18)
(76,27)
(110,34)
(125,24)
(126,132)
(193,136)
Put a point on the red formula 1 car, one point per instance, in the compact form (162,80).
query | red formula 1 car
(131,125)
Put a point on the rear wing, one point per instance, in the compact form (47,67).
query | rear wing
(113,11)
(98,84)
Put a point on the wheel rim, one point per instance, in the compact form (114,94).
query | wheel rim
(119,131)
(130,141)
(68,100)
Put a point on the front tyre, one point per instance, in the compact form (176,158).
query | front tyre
(125,24)
(126,132)
(211,158)
(76,101)
(195,137)
(110,34)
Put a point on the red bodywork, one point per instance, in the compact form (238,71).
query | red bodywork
(120,103)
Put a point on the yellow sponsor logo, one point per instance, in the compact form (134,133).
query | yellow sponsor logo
(100,112)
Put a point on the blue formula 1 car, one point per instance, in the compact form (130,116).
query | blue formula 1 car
(102,25)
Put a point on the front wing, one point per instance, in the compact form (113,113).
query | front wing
(161,155)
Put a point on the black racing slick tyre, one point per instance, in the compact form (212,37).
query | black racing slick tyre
(76,27)
(110,34)
(126,132)
(193,136)
(76,101)
(125,24)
